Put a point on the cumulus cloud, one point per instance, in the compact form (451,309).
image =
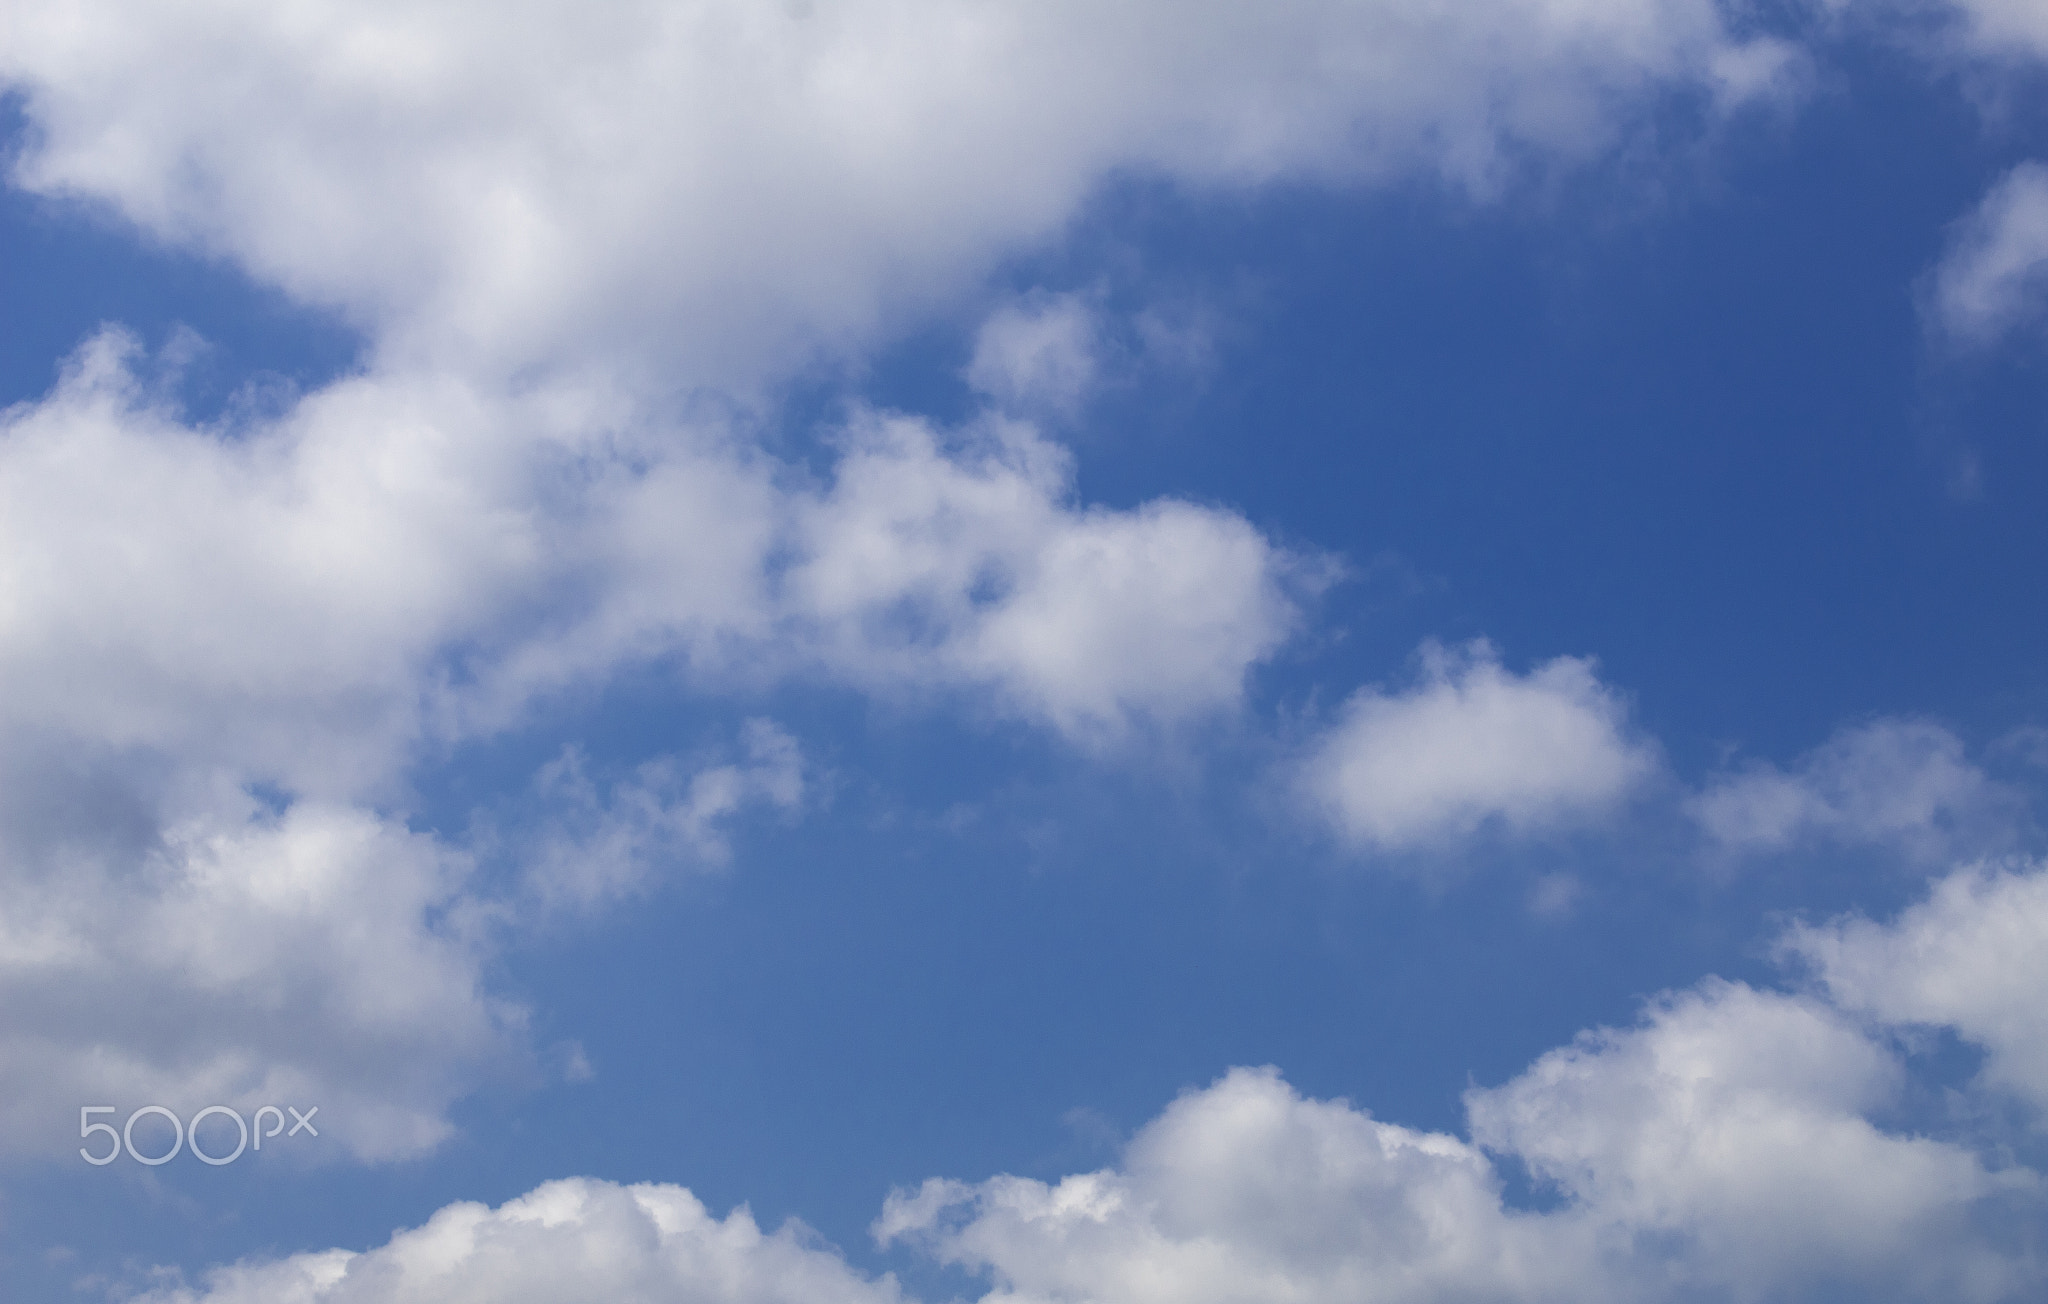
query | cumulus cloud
(247,959)
(1972,957)
(1994,273)
(576,1239)
(928,567)
(713,189)
(1473,744)
(399,558)
(1241,1191)
(1247,1191)
(1900,783)
(1734,1126)
(229,600)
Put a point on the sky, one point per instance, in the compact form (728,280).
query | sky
(912,651)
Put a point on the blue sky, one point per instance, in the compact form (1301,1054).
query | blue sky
(1333,652)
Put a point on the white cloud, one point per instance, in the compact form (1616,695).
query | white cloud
(1993,277)
(1471,744)
(306,959)
(230,599)
(1734,1127)
(1242,1191)
(577,1239)
(1972,957)
(399,558)
(924,567)
(1903,783)
(710,190)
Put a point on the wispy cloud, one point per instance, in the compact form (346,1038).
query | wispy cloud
(1901,783)
(1993,277)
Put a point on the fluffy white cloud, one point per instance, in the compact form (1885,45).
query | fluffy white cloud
(585,1240)
(1973,957)
(1904,783)
(1473,743)
(922,566)
(246,959)
(1994,274)
(398,558)
(231,599)
(712,189)
(1719,1150)
(1729,1138)
(1245,1191)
